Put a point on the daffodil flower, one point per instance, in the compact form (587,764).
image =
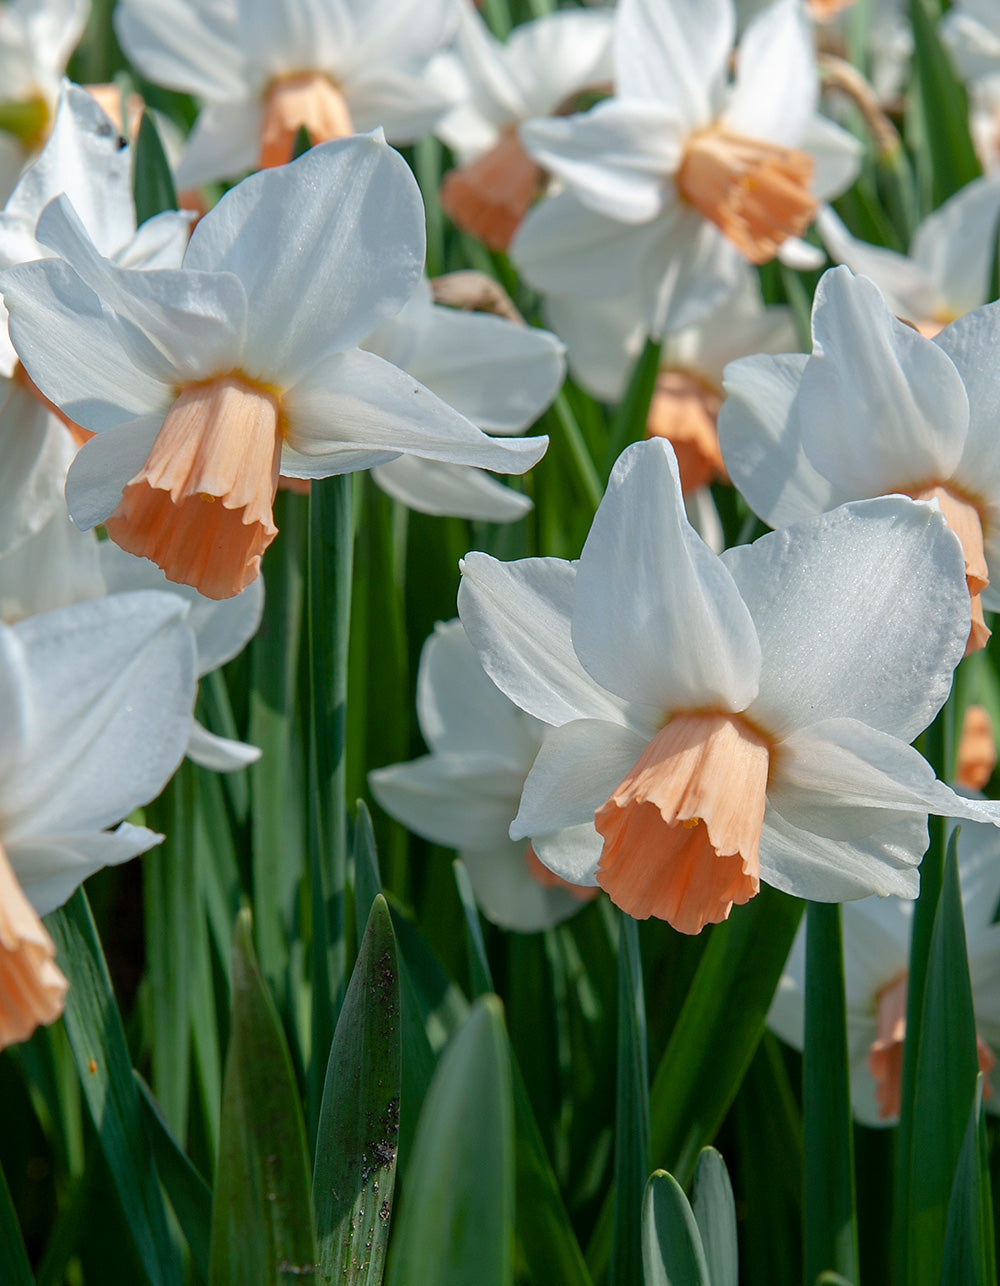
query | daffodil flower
(498,374)
(744,717)
(85,158)
(876,935)
(536,72)
(678,180)
(876,408)
(465,793)
(264,69)
(37,38)
(95,703)
(947,271)
(202,385)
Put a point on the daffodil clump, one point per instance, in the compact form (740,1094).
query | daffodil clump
(501,510)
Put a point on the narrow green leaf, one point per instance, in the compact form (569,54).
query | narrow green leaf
(262,1228)
(969,1246)
(629,422)
(190,1196)
(831,1228)
(942,109)
(330,559)
(672,1253)
(631,1110)
(714,1038)
(715,1215)
(355,1168)
(544,1233)
(367,876)
(97,1039)
(944,1083)
(14,1267)
(152,179)
(456,1224)
(479,965)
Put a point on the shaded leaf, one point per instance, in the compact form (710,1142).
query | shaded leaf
(672,1253)
(715,1215)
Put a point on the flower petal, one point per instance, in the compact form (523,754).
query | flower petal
(104,465)
(677,53)
(219,754)
(956,244)
(971,344)
(344,227)
(657,618)
(188,47)
(517,616)
(224,140)
(50,867)
(861,613)
(776,86)
(449,490)
(510,896)
(906,286)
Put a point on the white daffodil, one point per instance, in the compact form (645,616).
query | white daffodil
(876,934)
(203,384)
(498,374)
(95,704)
(741,718)
(540,69)
(876,408)
(85,158)
(676,181)
(465,793)
(37,38)
(947,271)
(264,69)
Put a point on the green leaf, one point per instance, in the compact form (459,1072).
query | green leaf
(715,1215)
(944,1082)
(672,1253)
(631,1110)
(831,1229)
(969,1246)
(479,965)
(456,1223)
(97,1039)
(367,876)
(189,1194)
(262,1228)
(14,1267)
(355,1168)
(941,110)
(152,179)
(629,422)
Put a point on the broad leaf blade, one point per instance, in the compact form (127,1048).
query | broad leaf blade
(355,1168)
(672,1253)
(456,1225)
(262,1229)
(715,1215)
(969,1248)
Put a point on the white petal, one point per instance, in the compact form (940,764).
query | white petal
(55,566)
(837,157)
(104,465)
(36,451)
(160,242)
(356,401)
(657,618)
(907,288)
(861,613)
(761,444)
(189,47)
(568,249)
(603,338)
(615,157)
(461,710)
(449,490)
(15,704)
(461,800)
(574,853)
(51,867)
(225,140)
(496,373)
(510,896)
(517,616)
(344,227)
(677,53)
(688,270)
(559,54)
(776,82)
(219,754)
(577,768)
(801,255)
(971,343)
(73,350)
(112,690)
(405,103)
(869,369)
(956,244)
(222,627)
